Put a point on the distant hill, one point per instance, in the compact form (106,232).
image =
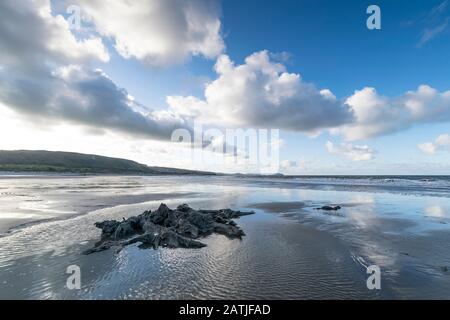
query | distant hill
(69,162)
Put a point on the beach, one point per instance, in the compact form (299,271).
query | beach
(291,250)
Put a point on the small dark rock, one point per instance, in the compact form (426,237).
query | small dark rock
(330,208)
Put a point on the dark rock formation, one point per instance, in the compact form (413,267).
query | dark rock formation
(330,208)
(164,227)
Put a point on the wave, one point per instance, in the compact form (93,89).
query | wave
(410,185)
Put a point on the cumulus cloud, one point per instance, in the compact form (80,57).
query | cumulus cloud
(377,115)
(45,74)
(441,143)
(350,151)
(87,97)
(262,94)
(43,77)
(30,36)
(159,32)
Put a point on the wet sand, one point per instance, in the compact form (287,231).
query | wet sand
(279,207)
(416,264)
(276,260)
(290,251)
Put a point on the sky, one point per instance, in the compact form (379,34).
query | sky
(118,78)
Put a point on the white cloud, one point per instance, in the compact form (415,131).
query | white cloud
(30,37)
(441,143)
(377,115)
(428,147)
(262,94)
(45,76)
(74,94)
(350,151)
(159,32)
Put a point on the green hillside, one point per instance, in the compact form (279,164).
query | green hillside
(69,162)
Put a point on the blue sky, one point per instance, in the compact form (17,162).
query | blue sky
(328,44)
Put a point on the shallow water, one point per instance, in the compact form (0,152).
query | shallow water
(290,251)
